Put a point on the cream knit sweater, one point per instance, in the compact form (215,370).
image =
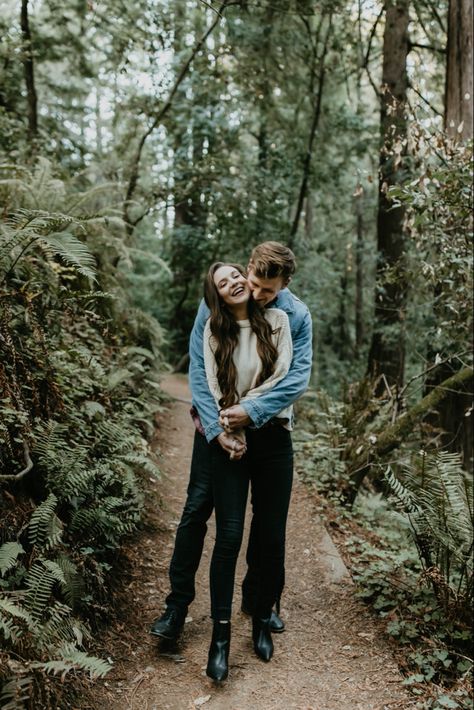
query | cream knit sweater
(247,361)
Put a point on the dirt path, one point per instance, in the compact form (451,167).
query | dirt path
(331,657)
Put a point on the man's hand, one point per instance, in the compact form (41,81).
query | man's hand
(235,448)
(234,417)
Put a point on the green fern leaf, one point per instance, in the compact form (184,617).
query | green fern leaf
(9,552)
(73,251)
(16,692)
(44,527)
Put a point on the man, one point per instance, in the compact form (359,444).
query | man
(270,269)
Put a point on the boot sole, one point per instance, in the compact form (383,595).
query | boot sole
(164,636)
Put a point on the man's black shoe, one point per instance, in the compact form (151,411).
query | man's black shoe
(277,625)
(169,625)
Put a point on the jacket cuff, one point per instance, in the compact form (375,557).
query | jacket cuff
(213,430)
(255,412)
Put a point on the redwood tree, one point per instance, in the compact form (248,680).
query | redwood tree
(387,352)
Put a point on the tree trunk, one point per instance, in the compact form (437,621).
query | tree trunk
(459,86)
(359,278)
(29,71)
(387,352)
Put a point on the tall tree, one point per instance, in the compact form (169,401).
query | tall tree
(459,84)
(387,351)
(28,66)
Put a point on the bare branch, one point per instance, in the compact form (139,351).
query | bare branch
(132,183)
(27,469)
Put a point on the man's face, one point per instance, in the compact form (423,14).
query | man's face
(264,290)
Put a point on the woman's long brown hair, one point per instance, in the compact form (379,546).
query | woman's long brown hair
(225,330)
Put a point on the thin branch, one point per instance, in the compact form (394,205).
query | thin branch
(314,126)
(7,273)
(365,63)
(431,47)
(27,469)
(428,103)
(377,91)
(429,369)
(132,183)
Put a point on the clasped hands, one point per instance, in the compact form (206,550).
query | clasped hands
(232,419)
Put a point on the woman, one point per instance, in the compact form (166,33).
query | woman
(246,351)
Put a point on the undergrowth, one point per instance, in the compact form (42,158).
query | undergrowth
(78,389)
(408,544)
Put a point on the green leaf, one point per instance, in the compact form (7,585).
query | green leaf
(73,251)
(8,555)
(446,702)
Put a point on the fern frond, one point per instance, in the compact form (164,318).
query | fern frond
(9,552)
(40,580)
(7,606)
(74,584)
(44,527)
(16,692)
(76,660)
(73,252)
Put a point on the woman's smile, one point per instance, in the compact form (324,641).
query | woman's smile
(231,285)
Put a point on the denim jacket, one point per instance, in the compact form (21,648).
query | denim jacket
(268,405)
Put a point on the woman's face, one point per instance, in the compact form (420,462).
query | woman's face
(231,286)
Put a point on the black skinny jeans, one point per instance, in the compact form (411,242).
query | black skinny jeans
(268,464)
(192,530)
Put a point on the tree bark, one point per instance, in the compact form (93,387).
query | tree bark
(387,352)
(359,278)
(458,116)
(29,72)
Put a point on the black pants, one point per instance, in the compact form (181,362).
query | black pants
(268,464)
(193,527)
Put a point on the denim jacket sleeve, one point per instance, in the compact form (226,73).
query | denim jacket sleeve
(292,386)
(201,394)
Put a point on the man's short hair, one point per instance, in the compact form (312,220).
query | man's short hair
(272,259)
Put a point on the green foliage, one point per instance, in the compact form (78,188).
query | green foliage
(439,224)
(409,543)
(79,386)
(436,493)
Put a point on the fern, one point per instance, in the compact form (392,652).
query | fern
(40,580)
(45,528)
(9,552)
(72,251)
(16,692)
(75,660)
(436,494)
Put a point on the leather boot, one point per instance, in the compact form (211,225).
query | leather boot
(262,638)
(218,659)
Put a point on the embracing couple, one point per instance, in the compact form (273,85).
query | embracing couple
(250,359)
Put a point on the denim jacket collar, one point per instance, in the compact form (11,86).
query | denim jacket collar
(284,300)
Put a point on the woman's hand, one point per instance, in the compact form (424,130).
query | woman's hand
(234,417)
(235,448)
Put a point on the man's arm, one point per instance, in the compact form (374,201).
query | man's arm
(285,392)
(202,397)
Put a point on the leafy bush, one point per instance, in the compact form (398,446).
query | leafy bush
(78,381)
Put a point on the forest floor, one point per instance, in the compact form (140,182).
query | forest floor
(332,656)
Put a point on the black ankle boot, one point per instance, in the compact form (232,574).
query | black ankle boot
(218,659)
(262,638)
